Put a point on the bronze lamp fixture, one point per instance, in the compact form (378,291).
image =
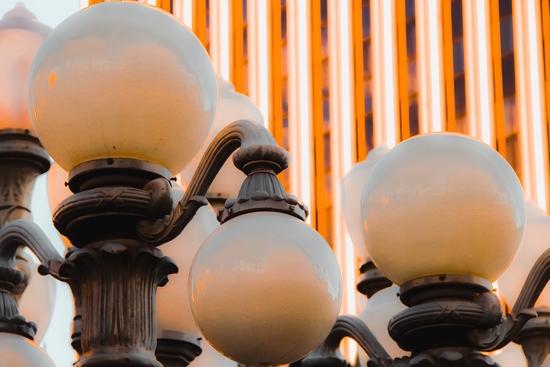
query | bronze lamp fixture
(443,216)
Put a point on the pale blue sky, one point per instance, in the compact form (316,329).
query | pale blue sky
(50,12)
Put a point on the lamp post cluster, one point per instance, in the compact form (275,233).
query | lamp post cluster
(122,97)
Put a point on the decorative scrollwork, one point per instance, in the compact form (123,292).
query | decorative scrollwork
(482,311)
(256,143)
(510,327)
(328,354)
(459,357)
(15,234)
(23,232)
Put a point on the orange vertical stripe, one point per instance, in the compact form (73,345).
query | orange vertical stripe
(357,33)
(402,69)
(448,64)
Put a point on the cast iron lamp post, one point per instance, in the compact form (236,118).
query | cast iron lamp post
(22,159)
(123,96)
(443,216)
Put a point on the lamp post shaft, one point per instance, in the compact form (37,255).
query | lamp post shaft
(118,291)
(22,159)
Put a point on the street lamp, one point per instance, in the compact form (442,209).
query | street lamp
(443,217)
(123,96)
(22,159)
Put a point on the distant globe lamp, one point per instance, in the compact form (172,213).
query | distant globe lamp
(20,37)
(232,107)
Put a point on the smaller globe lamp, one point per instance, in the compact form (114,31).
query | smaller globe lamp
(352,186)
(175,324)
(232,107)
(16,350)
(20,37)
(265,289)
(381,307)
(210,357)
(41,291)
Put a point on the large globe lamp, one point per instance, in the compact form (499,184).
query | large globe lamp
(122,80)
(442,204)
(120,94)
(443,217)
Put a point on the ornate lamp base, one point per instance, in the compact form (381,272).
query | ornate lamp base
(372,280)
(442,310)
(177,352)
(534,338)
(115,273)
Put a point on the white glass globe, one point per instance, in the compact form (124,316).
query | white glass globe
(122,80)
(442,204)
(42,291)
(211,358)
(535,242)
(352,186)
(57,192)
(265,289)
(232,106)
(20,37)
(16,350)
(510,356)
(174,312)
(381,307)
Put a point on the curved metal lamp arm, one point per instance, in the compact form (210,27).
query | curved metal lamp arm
(241,133)
(328,354)
(522,311)
(24,232)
